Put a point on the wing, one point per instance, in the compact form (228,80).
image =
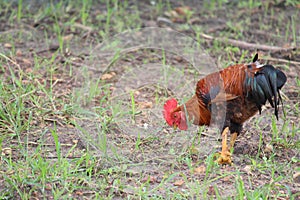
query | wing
(221,86)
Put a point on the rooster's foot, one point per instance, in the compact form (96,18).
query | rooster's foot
(225,155)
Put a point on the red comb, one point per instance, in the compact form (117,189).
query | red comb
(170,104)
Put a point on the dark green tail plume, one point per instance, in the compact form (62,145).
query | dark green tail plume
(265,86)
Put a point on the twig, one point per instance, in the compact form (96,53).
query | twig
(67,157)
(118,54)
(247,45)
(37,143)
(217,28)
(208,135)
(282,60)
(81,26)
(52,48)
(54,121)
(72,63)
(10,60)
(283,95)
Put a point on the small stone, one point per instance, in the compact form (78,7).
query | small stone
(75,141)
(6,151)
(268,148)
(247,169)
(296,177)
(7,45)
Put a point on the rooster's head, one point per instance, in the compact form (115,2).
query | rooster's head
(173,115)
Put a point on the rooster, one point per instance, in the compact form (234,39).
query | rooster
(245,88)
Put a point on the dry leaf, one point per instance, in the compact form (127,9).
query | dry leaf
(137,93)
(48,186)
(26,61)
(19,53)
(211,190)
(79,193)
(144,105)
(227,178)
(108,76)
(179,14)
(29,70)
(179,182)
(112,88)
(194,150)
(183,10)
(200,170)
(171,14)
(178,58)
(67,37)
(7,45)
(151,179)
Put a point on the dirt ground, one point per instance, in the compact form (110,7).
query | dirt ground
(138,155)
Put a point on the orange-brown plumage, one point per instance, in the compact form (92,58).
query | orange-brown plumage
(240,89)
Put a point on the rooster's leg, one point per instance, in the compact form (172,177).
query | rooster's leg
(232,139)
(225,155)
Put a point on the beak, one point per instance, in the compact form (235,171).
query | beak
(175,126)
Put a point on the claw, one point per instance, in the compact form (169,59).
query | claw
(224,157)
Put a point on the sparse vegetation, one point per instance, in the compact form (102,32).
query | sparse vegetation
(65,100)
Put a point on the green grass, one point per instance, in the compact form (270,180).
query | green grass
(58,136)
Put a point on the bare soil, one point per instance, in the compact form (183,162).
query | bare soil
(148,157)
